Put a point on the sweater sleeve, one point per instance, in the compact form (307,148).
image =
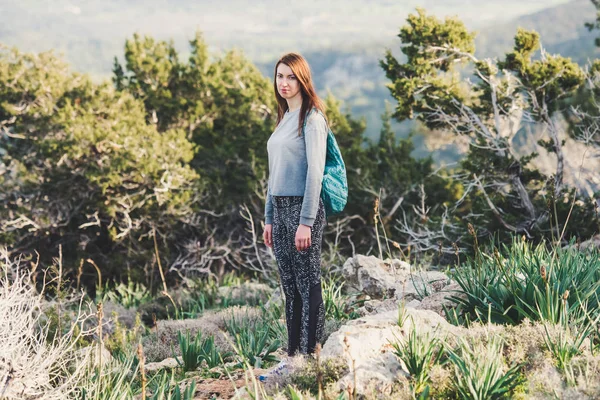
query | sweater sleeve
(268,208)
(315,137)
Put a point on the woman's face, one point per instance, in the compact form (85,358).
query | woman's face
(287,83)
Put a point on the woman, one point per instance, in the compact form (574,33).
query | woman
(294,211)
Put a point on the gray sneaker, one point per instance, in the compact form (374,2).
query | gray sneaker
(281,369)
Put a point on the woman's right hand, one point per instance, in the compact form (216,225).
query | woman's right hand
(267,235)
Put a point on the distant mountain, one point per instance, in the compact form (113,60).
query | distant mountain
(92,32)
(561,29)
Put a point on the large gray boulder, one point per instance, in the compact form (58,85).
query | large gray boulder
(390,278)
(373,276)
(366,344)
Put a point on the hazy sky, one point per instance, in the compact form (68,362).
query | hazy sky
(261,28)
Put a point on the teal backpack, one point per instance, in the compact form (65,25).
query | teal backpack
(334,190)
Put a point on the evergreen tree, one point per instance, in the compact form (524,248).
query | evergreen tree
(83,169)
(502,191)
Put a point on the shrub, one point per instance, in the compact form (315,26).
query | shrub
(31,365)
(306,377)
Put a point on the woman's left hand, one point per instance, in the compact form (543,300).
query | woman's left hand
(303,237)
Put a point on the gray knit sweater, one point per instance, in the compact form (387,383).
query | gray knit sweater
(297,163)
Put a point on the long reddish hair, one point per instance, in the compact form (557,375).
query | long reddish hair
(310,99)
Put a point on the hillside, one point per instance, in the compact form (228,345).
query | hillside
(561,28)
(342,41)
(91,33)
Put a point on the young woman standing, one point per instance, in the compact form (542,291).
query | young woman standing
(294,211)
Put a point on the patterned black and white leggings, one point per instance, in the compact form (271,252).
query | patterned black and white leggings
(300,273)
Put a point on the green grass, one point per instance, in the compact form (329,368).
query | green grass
(335,302)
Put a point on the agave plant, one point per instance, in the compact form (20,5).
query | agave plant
(257,346)
(211,354)
(190,351)
(166,388)
(479,370)
(419,352)
(528,282)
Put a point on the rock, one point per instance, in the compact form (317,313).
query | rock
(413,304)
(104,357)
(592,243)
(367,342)
(422,284)
(378,306)
(373,276)
(438,300)
(168,363)
(390,278)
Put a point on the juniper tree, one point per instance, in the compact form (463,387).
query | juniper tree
(502,190)
(81,167)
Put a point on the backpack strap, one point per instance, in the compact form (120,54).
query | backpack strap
(308,115)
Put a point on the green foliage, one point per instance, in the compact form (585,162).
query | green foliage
(479,370)
(164,387)
(255,341)
(566,339)
(225,106)
(203,295)
(122,339)
(416,82)
(527,281)
(419,352)
(112,382)
(101,176)
(503,191)
(335,302)
(190,351)
(197,350)
(131,295)
(386,169)
(548,79)
(211,354)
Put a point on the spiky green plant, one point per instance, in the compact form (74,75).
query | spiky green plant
(190,351)
(566,341)
(111,382)
(196,350)
(334,301)
(165,387)
(257,346)
(527,281)
(419,352)
(256,338)
(129,295)
(479,370)
(211,354)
